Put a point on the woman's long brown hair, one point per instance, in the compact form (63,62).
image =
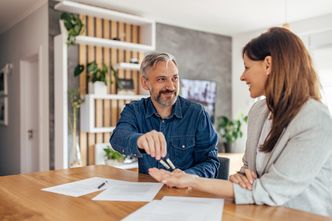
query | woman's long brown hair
(292,80)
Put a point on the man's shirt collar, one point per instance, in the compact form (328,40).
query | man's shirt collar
(176,109)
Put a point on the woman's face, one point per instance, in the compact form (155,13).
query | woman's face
(255,75)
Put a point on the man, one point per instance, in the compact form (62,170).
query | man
(165,124)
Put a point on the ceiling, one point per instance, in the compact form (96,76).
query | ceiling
(227,17)
(13,11)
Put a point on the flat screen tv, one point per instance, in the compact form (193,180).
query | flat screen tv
(202,92)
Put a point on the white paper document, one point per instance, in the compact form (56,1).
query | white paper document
(81,187)
(180,209)
(130,191)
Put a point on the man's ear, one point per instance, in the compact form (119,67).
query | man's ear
(144,83)
(268,64)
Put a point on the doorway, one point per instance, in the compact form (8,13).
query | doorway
(30,145)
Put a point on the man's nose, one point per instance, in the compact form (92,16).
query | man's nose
(170,85)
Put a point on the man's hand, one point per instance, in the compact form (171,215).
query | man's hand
(154,144)
(244,180)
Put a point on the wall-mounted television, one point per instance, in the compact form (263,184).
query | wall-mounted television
(202,92)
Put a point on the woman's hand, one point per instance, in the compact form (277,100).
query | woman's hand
(245,180)
(177,178)
(159,174)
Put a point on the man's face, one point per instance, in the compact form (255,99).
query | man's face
(162,81)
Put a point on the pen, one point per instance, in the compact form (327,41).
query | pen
(168,165)
(164,164)
(101,185)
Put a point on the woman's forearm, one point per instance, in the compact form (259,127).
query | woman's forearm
(222,188)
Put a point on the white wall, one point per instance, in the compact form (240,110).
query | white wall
(315,32)
(20,41)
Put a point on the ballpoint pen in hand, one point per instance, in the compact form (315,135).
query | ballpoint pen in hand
(168,165)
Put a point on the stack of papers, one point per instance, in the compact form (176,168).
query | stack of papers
(180,209)
(130,191)
(114,190)
(168,209)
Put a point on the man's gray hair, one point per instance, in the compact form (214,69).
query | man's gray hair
(154,58)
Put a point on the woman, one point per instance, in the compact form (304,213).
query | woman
(288,157)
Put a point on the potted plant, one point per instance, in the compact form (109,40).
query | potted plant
(230,130)
(97,78)
(113,157)
(71,25)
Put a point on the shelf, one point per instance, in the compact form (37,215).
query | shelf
(87,111)
(114,97)
(127,66)
(78,8)
(86,40)
(147,26)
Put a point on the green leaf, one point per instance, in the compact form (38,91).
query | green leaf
(73,24)
(110,153)
(78,69)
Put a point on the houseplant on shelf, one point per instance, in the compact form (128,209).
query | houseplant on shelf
(73,25)
(97,78)
(230,130)
(113,157)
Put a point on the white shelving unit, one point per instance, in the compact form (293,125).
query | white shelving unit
(147,37)
(86,40)
(147,26)
(127,66)
(87,111)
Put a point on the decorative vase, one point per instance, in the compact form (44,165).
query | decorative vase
(75,155)
(75,152)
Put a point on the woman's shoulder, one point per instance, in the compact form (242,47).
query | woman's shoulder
(315,108)
(312,113)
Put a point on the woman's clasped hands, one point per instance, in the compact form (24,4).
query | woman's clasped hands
(244,179)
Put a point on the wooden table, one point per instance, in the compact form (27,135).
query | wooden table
(22,199)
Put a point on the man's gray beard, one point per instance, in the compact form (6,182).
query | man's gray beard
(166,103)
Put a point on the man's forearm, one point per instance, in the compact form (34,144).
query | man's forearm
(125,141)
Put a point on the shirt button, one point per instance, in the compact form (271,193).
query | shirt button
(163,121)
(183,146)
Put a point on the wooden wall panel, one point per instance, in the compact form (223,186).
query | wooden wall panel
(107,111)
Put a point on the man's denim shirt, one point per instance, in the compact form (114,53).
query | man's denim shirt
(191,139)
